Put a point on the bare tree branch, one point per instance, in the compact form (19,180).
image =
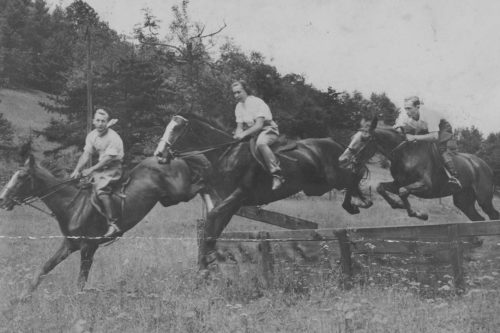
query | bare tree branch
(162,44)
(200,35)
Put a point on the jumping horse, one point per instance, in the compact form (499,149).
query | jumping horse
(416,169)
(238,179)
(80,221)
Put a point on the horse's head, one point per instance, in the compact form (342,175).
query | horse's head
(20,186)
(175,129)
(190,131)
(361,148)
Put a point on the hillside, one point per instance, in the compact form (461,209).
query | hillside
(22,109)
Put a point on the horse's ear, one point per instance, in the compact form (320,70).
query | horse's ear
(373,125)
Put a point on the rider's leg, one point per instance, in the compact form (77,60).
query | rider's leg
(264,140)
(453,182)
(112,212)
(102,185)
(446,141)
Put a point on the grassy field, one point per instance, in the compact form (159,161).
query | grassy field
(148,282)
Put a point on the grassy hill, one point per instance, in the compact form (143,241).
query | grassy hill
(22,109)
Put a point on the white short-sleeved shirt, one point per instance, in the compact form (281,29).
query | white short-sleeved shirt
(110,144)
(251,109)
(429,120)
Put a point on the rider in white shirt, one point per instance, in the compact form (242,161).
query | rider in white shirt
(253,116)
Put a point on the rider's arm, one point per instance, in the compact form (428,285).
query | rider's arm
(102,163)
(239,129)
(84,158)
(256,127)
(431,137)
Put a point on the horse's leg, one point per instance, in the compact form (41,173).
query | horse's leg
(62,253)
(207,199)
(217,220)
(415,189)
(488,208)
(485,201)
(383,188)
(86,258)
(465,201)
(347,204)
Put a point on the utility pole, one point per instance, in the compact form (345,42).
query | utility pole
(89,85)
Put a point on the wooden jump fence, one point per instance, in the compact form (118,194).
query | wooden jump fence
(450,238)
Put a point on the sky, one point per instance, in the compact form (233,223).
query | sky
(445,51)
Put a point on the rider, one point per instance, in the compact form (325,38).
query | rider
(253,116)
(438,130)
(108,170)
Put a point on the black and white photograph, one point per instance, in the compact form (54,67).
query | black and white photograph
(249,166)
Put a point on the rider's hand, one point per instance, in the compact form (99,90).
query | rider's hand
(75,174)
(239,136)
(411,138)
(87,172)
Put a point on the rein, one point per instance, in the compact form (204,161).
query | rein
(35,197)
(200,151)
(188,153)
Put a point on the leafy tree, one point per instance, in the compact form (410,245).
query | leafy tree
(469,140)
(6,131)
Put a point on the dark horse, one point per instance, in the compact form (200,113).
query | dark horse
(309,165)
(417,169)
(79,221)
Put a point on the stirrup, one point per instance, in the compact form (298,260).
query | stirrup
(112,230)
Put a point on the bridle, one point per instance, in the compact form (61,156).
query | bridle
(355,154)
(187,153)
(39,195)
(390,154)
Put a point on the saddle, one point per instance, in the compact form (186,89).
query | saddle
(86,201)
(277,147)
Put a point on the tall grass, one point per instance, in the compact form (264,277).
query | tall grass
(148,282)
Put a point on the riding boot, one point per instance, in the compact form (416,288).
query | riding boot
(453,182)
(272,165)
(111,212)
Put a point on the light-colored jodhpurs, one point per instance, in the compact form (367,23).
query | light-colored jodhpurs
(264,140)
(102,179)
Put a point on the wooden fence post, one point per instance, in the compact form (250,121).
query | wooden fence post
(456,255)
(266,260)
(200,238)
(345,258)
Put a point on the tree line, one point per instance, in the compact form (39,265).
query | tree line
(144,83)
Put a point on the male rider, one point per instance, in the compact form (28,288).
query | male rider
(439,131)
(108,170)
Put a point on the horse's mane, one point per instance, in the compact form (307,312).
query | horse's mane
(390,132)
(210,122)
(54,168)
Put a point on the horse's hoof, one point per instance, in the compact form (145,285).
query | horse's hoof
(350,209)
(397,206)
(423,216)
